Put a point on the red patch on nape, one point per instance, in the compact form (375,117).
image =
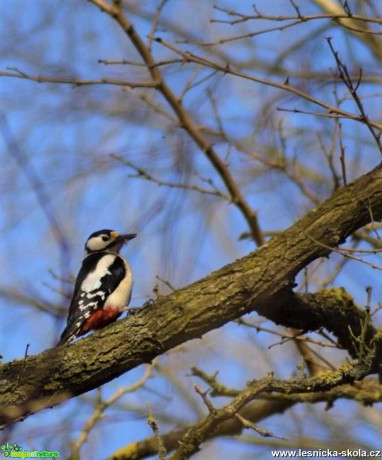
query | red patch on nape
(100,319)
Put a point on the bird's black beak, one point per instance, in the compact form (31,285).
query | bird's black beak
(120,240)
(127,237)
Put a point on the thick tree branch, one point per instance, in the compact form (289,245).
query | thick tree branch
(261,282)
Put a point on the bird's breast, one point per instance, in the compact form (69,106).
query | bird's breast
(120,297)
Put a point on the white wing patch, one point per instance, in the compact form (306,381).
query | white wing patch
(93,280)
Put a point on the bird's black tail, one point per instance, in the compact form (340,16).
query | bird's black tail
(69,334)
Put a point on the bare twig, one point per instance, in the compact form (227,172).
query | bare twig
(345,253)
(162,452)
(24,363)
(342,155)
(287,335)
(261,431)
(299,16)
(345,77)
(166,282)
(17,73)
(143,174)
(205,398)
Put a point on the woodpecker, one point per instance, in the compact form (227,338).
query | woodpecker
(103,285)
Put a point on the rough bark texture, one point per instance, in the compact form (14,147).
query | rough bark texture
(261,282)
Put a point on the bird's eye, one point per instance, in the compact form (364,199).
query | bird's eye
(105,238)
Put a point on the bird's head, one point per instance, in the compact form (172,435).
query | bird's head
(107,240)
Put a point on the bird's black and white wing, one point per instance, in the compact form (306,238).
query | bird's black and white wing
(100,276)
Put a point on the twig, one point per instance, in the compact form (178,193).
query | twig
(143,174)
(138,64)
(162,452)
(205,398)
(218,389)
(287,336)
(155,22)
(369,290)
(345,253)
(17,73)
(261,431)
(345,77)
(342,156)
(23,367)
(166,282)
(303,18)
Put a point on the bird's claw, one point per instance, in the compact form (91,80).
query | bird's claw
(148,303)
(132,311)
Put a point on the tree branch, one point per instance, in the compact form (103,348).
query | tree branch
(190,442)
(261,282)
